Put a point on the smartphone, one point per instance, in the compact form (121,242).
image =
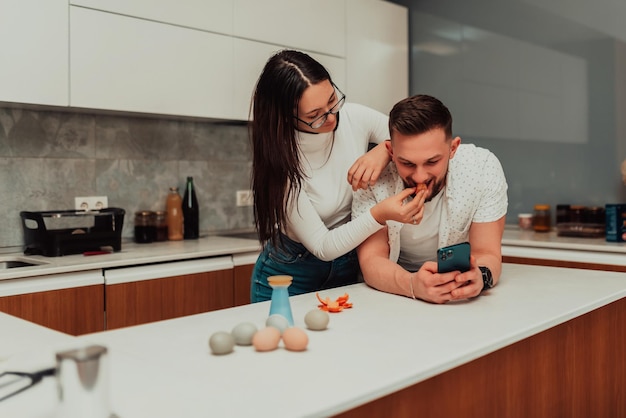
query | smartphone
(454,257)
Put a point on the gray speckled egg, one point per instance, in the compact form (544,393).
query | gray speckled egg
(221,343)
(316,320)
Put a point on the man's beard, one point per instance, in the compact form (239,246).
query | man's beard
(438,185)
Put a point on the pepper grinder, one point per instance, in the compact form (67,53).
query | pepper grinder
(280,297)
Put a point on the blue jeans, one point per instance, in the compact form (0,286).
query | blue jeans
(309,273)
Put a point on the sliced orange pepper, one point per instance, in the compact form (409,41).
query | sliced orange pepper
(336,306)
(324,302)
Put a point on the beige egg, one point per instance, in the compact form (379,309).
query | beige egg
(295,339)
(316,320)
(221,343)
(266,339)
(243,333)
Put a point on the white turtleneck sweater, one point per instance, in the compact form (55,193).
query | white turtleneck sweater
(321,218)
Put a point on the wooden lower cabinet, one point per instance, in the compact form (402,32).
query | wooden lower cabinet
(75,311)
(129,297)
(243,267)
(241,282)
(576,369)
(137,300)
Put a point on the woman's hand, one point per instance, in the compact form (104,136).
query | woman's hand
(367,168)
(398,208)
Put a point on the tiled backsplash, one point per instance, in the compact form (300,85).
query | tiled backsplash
(49,157)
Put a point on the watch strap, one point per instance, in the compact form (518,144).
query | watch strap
(487,278)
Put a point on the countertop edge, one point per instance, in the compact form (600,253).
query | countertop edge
(133,254)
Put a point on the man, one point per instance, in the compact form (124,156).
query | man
(464,199)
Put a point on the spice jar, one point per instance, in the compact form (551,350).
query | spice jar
(525,221)
(161,225)
(577,213)
(562,214)
(541,218)
(594,215)
(145,228)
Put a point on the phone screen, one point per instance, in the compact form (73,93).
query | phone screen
(454,258)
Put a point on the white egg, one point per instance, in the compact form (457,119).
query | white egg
(316,319)
(277,321)
(243,333)
(221,343)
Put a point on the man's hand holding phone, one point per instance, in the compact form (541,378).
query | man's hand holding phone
(455,276)
(471,282)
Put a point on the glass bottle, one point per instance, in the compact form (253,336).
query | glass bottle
(280,297)
(174,215)
(191,213)
(541,218)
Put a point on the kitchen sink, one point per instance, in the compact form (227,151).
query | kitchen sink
(11,262)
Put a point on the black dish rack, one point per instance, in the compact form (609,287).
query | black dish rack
(65,232)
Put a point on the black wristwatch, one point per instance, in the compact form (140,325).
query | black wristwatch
(487,278)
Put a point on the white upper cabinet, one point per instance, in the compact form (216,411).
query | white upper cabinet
(377,53)
(129,64)
(317,26)
(210,15)
(34,63)
(250,58)
(198,58)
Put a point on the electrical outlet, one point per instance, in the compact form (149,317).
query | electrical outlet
(244,198)
(91,202)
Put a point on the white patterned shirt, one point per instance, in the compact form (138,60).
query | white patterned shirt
(476,191)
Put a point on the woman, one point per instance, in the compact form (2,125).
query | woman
(305,139)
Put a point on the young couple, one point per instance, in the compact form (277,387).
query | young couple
(414,193)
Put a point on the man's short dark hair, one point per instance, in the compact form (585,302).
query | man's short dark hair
(418,114)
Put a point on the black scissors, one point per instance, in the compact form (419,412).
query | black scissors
(26,379)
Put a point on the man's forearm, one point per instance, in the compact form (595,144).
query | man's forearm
(385,275)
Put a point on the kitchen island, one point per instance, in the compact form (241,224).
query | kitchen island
(545,342)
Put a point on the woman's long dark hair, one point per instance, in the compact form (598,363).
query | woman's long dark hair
(276,170)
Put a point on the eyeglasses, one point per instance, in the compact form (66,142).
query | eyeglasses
(318,122)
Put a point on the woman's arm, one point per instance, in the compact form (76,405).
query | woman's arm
(306,226)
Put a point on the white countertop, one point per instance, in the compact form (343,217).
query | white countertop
(550,246)
(515,242)
(385,343)
(133,254)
